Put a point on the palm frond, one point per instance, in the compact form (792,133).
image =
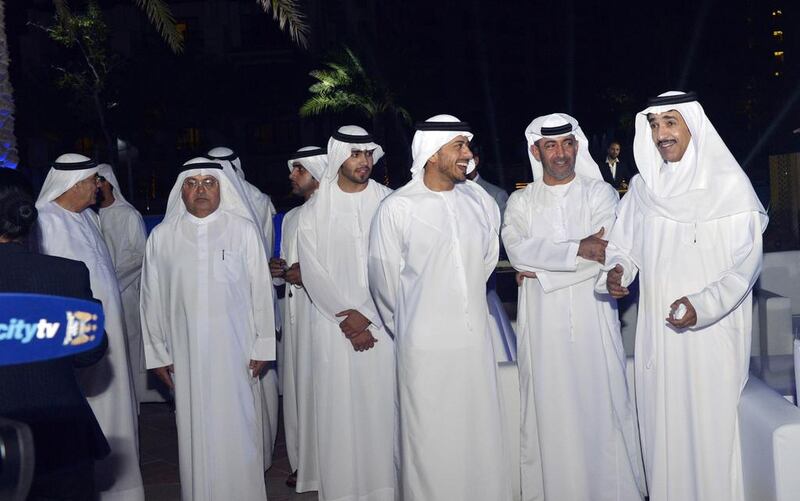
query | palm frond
(160,15)
(290,18)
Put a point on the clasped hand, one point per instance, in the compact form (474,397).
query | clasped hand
(354,327)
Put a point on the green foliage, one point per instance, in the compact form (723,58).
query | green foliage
(160,16)
(289,17)
(88,33)
(345,84)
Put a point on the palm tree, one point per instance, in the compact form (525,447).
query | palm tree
(344,84)
(286,12)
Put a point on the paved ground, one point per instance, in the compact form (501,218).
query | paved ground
(158,440)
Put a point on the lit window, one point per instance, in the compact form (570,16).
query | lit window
(777,73)
(778,34)
(776,13)
(189,138)
(778,56)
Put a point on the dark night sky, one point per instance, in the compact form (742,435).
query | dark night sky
(597,60)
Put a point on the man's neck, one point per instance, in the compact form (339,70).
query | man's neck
(107,202)
(551,181)
(435,182)
(349,186)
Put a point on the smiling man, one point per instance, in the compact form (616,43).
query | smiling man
(208,331)
(571,361)
(691,228)
(352,355)
(68,228)
(433,245)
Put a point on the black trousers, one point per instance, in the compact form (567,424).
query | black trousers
(71,483)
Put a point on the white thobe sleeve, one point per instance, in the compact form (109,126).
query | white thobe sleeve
(492,253)
(531,253)
(326,295)
(724,294)
(151,311)
(621,240)
(385,264)
(129,261)
(603,201)
(261,291)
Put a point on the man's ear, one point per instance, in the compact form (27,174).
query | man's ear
(434,159)
(536,153)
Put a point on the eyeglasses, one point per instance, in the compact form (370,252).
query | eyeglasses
(207,183)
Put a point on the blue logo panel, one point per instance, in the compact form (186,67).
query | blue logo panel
(35,327)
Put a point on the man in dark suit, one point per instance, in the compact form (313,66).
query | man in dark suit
(45,395)
(616,172)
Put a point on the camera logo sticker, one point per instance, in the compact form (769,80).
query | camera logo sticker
(80,326)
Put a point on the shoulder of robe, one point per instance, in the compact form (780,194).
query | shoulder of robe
(599,187)
(380,188)
(521,195)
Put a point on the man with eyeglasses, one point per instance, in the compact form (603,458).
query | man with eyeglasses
(67,229)
(209,329)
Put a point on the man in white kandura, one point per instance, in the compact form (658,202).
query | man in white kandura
(125,235)
(260,206)
(306,167)
(578,433)
(207,322)
(691,227)
(68,228)
(433,245)
(352,355)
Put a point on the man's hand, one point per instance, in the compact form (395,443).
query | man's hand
(593,248)
(688,319)
(277,267)
(257,366)
(522,275)
(355,323)
(363,341)
(614,283)
(293,275)
(163,373)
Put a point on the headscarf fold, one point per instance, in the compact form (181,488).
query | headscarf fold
(714,185)
(68,170)
(558,125)
(313,158)
(107,172)
(225,153)
(431,135)
(230,200)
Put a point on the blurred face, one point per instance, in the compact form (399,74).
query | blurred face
(200,195)
(358,167)
(303,183)
(613,151)
(670,134)
(452,159)
(558,158)
(106,190)
(85,192)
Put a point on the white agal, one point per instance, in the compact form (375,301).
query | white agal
(430,256)
(578,438)
(107,385)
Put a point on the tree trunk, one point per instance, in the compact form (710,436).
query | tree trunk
(8,142)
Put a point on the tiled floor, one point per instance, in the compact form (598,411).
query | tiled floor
(159,455)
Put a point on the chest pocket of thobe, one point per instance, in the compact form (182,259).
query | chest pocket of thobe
(227,266)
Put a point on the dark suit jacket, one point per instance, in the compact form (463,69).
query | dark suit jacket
(45,395)
(624,171)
